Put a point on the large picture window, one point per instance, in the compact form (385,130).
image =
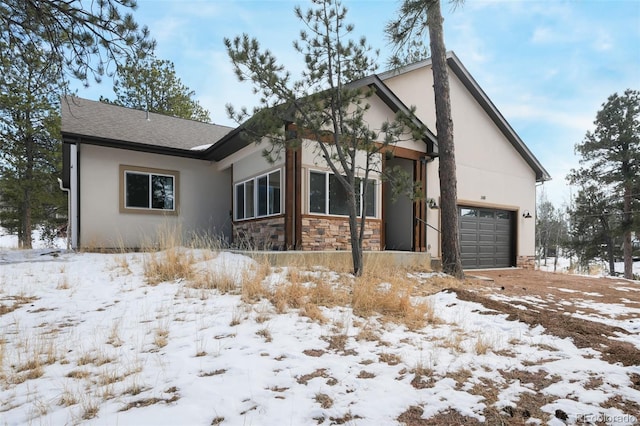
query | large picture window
(327,195)
(146,190)
(259,197)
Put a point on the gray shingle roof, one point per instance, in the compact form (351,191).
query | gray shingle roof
(92,119)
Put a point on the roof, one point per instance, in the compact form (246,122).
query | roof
(483,100)
(112,125)
(234,140)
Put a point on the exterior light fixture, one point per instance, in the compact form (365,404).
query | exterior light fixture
(526,214)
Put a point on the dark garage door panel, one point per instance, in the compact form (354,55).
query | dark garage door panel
(486,237)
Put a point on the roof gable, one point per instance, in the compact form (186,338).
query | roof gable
(487,105)
(234,140)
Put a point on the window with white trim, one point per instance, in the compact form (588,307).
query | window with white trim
(328,196)
(260,196)
(148,190)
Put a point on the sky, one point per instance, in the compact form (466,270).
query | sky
(547,65)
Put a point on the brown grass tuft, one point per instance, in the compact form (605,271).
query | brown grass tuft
(390,297)
(253,289)
(169,265)
(324,400)
(291,295)
(313,312)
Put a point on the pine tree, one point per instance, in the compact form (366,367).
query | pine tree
(30,152)
(610,160)
(407,32)
(326,110)
(79,38)
(151,84)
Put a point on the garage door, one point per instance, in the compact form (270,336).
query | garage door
(486,237)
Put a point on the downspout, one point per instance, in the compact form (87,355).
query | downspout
(68,191)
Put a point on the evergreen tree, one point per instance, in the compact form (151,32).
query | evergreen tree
(406,32)
(78,37)
(327,112)
(30,151)
(593,224)
(610,166)
(152,85)
(551,231)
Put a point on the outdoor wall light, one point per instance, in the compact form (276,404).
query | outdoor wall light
(526,214)
(432,203)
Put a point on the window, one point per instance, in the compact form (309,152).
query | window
(145,190)
(328,196)
(259,197)
(468,212)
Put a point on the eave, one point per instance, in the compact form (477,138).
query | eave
(73,138)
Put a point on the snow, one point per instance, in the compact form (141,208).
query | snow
(10,241)
(601,267)
(202,147)
(94,324)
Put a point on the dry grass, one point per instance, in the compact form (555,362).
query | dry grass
(390,359)
(225,282)
(167,259)
(161,336)
(67,398)
(96,358)
(89,409)
(323,293)
(454,342)
(33,356)
(390,296)
(63,283)
(11,303)
(265,334)
(168,265)
(253,289)
(313,312)
(78,374)
(324,400)
(483,345)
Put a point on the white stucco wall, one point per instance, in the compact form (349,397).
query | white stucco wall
(251,162)
(379,113)
(490,171)
(204,199)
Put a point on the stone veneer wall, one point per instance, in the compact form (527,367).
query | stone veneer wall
(526,262)
(260,234)
(331,233)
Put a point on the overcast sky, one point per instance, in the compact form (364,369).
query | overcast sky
(547,65)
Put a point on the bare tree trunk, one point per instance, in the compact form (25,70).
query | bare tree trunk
(27,225)
(354,232)
(626,245)
(610,245)
(451,262)
(25,240)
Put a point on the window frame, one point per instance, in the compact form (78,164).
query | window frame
(327,194)
(255,197)
(150,172)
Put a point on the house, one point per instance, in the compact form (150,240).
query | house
(130,172)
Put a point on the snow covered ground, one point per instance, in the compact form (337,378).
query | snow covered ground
(10,241)
(599,268)
(84,339)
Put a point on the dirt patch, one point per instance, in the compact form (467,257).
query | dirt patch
(413,417)
(548,299)
(561,292)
